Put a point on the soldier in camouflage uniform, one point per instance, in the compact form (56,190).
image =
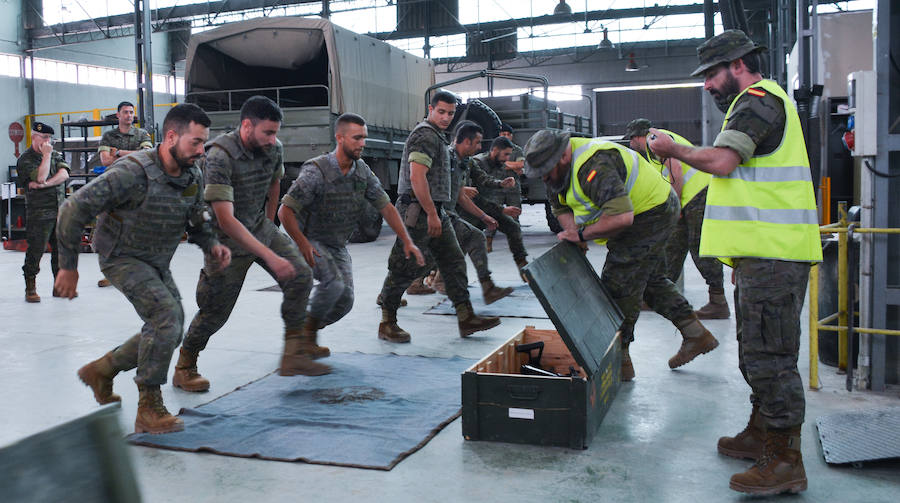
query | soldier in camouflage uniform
(759,159)
(146,202)
(512,196)
(43,173)
(686,235)
(321,210)
(423,188)
(486,169)
(470,238)
(123,140)
(243,168)
(636,238)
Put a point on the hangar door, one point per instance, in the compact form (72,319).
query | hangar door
(677,109)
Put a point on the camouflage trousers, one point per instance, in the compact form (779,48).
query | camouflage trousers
(511,196)
(635,268)
(443,250)
(41,230)
(218,290)
(471,241)
(505,224)
(155,297)
(768,298)
(686,237)
(332,297)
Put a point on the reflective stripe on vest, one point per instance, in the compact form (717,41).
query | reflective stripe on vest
(765,208)
(694,181)
(645,187)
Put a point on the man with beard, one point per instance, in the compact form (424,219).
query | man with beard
(470,238)
(321,210)
(243,169)
(423,188)
(145,204)
(603,191)
(691,186)
(761,219)
(490,197)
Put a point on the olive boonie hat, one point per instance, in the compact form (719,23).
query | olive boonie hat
(724,47)
(40,127)
(543,151)
(637,127)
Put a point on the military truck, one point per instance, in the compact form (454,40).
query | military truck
(315,71)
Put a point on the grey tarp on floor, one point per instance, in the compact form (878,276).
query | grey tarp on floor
(520,304)
(863,435)
(370,412)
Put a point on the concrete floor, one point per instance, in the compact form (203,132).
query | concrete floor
(656,444)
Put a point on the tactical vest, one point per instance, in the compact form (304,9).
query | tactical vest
(152,231)
(250,178)
(765,208)
(646,188)
(438,176)
(335,214)
(694,180)
(494,194)
(458,179)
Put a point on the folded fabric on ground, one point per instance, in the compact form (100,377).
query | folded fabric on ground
(370,412)
(520,304)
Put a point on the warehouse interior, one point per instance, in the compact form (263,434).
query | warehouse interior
(589,68)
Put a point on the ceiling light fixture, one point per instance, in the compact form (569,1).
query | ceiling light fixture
(631,66)
(562,8)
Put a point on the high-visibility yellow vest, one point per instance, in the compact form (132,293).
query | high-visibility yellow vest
(646,187)
(765,208)
(694,179)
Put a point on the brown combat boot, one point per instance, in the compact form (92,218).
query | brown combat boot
(469,322)
(749,443)
(418,287)
(152,416)
(778,470)
(31,291)
(716,308)
(437,282)
(186,376)
(627,368)
(295,362)
(103,283)
(308,344)
(696,341)
(492,293)
(99,376)
(520,263)
(389,331)
(489,243)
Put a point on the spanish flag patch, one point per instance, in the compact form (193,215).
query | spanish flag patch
(591,175)
(759,93)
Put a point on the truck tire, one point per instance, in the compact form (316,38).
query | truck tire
(369,226)
(485,117)
(555,227)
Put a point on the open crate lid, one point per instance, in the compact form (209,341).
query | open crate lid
(578,305)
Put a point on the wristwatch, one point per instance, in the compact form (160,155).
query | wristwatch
(581,234)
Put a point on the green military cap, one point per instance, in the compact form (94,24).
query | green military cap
(543,150)
(637,127)
(40,127)
(723,48)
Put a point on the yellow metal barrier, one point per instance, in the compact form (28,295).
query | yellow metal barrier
(816,324)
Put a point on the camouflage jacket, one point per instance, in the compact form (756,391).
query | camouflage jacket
(430,147)
(41,202)
(134,139)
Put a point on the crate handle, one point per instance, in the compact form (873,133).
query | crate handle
(520,392)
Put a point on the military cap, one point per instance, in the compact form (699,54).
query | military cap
(506,128)
(40,127)
(637,127)
(723,48)
(543,150)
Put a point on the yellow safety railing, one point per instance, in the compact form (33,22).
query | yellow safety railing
(842,228)
(94,113)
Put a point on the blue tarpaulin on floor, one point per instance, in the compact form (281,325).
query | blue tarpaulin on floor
(370,412)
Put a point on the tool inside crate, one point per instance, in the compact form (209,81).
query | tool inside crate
(532,352)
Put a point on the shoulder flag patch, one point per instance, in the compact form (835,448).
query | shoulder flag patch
(759,93)
(591,175)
